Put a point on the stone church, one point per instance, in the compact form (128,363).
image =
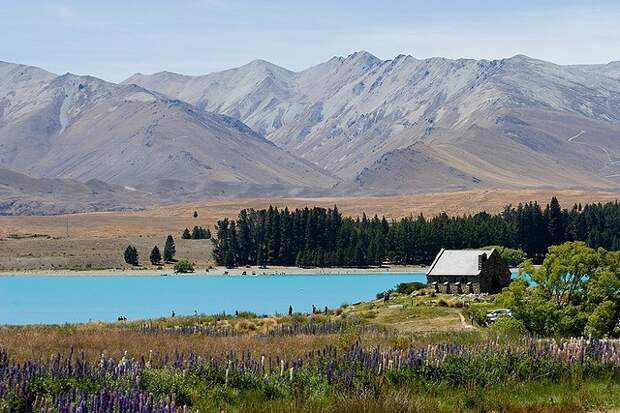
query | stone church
(468,271)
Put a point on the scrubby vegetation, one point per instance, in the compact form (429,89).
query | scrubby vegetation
(183,266)
(430,378)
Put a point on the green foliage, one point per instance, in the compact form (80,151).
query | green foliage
(163,382)
(170,249)
(603,320)
(319,237)
(512,256)
(183,266)
(505,325)
(576,292)
(186,234)
(131,255)
(201,233)
(155,256)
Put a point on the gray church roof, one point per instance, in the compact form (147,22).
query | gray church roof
(457,262)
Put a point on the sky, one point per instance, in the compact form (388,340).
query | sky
(113,39)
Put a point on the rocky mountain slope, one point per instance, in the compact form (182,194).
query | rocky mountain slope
(83,128)
(411,125)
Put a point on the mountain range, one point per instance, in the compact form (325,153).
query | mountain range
(351,125)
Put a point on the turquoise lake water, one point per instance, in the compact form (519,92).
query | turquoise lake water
(60,299)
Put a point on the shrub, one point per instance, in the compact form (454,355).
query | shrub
(508,325)
(408,288)
(183,266)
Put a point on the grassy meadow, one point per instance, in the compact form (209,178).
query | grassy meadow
(405,354)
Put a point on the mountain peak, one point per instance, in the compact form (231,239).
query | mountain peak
(363,56)
(264,65)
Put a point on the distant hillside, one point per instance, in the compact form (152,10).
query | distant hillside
(83,128)
(409,125)
(23,195)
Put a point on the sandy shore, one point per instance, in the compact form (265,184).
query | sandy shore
(218,271)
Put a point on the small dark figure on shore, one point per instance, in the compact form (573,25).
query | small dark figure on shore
(290,310)
(326,310)
(173,314)
(386,297)
(313,309)
(236,313)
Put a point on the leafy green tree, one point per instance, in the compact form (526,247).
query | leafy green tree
(603,320)
(186,234)
(155,256)
(565,269)
(131,255)
(183,266)
(170,249)
(576,292)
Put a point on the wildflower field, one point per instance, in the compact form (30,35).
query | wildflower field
(366,357)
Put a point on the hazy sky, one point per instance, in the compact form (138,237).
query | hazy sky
(113,39)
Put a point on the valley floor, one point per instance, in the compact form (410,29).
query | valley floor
(217,271)
(96,241)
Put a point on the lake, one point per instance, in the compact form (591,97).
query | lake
(61,299)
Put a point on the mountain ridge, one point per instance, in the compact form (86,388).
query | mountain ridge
(82,127)
(345,113)
(352,125)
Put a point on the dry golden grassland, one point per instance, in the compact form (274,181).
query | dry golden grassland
(97,240)
(409,320)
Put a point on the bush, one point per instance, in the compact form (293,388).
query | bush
(183,266)
(508,325)
(408,288)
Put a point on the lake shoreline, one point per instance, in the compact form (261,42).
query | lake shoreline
(219,271)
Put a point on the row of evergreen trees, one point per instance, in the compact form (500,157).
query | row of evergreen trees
(323,237)
(132,257)
(196,233)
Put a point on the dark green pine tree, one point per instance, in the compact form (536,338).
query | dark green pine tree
(220,242)
(170,249)
(199,233)
(186,234)
(233,246)
(274,242)
(556,223)
(131,255)
(155,256)
(244,237)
